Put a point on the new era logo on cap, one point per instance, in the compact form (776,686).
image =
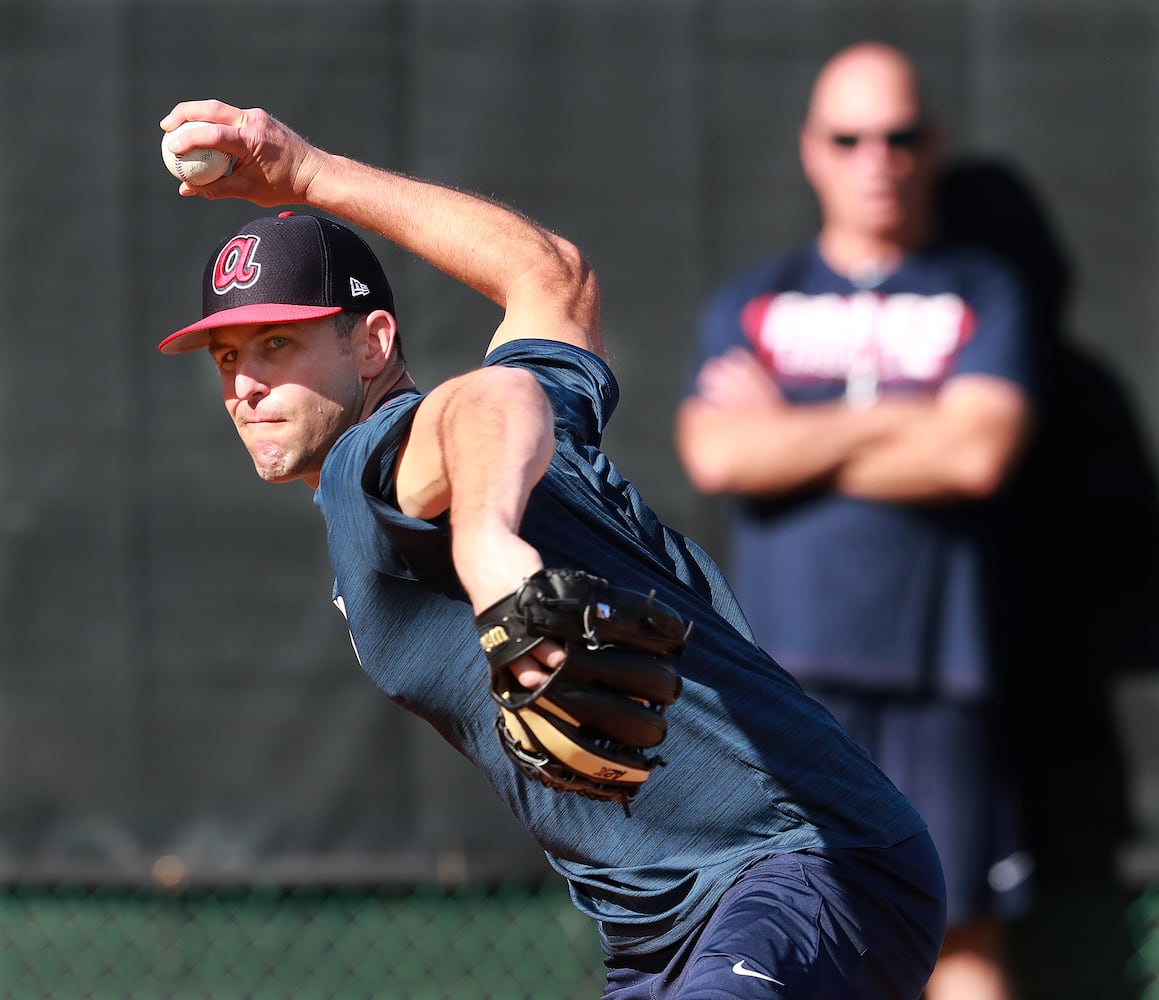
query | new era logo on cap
(283,269)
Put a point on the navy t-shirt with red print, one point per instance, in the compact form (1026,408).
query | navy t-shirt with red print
(889,596)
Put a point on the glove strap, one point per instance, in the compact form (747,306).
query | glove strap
(503,633)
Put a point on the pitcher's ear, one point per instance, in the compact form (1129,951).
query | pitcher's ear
(380,334)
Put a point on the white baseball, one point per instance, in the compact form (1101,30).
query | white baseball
(197,166)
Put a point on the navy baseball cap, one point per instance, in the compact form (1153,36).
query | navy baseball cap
(283,269)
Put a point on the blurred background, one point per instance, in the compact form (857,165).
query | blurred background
(200,793)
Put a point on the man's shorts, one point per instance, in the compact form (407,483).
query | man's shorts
(951,761)
(844,924)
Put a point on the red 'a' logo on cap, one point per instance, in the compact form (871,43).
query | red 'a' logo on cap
(235,267)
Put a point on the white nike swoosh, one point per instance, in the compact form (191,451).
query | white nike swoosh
(740,970)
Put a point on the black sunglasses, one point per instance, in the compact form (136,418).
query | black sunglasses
(903,138)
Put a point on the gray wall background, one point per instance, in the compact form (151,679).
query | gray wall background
(173,679)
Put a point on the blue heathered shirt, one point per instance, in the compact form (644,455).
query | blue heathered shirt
(753,765)
(889,596)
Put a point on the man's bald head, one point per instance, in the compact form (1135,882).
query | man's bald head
(864,83)
(868,151)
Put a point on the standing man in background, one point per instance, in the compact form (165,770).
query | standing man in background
(865,399)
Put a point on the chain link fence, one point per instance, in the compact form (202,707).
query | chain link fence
(1143,920)
(426,943)
(514,940)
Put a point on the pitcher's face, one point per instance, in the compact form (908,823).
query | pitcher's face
(291,390)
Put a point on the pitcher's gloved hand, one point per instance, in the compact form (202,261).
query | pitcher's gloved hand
(587,727)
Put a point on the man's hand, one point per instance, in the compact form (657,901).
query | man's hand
(736,380)
(588,726)
(274,165)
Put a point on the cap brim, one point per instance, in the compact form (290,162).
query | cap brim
(196,336)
